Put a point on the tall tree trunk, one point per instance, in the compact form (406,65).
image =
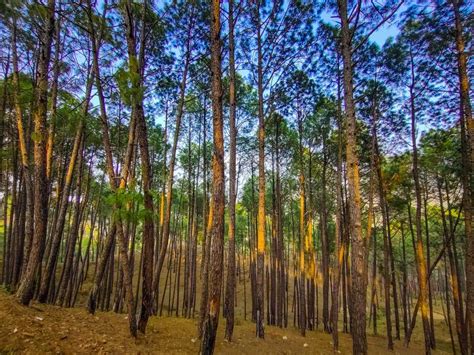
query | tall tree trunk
(455,284)
(302,237)
(324,241)
(170,177)
(70,244)
(393,274)
(419,252)
(50,266)
(358,253)
(387,267)
(117,228)
(404,286)
(26,288)
(339,232)
(3,109)
(23,149)
(302,257)
(206,245)
(218,189)
(137,66)
(467,149)
(230,287)
(428,260)
(281,277)
(261,186)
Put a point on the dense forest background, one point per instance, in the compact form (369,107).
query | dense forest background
(261,160)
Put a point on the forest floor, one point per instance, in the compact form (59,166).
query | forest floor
(44,328)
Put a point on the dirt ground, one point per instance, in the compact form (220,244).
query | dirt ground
(50,329)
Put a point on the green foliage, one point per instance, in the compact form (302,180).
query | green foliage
(126,204)
(441,152)
(128,80)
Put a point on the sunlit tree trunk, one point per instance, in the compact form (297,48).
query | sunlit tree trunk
(218,188)
(260,310)
(53,252)
(67,273)
(419,251)
(467,155)
(23,149)
(281,277)
(301,303)
(206,245)
(54,98)
(26,288)
(358,246)
(324,240)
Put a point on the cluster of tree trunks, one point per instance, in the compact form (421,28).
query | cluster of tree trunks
(56,235)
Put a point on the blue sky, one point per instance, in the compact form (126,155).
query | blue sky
(381,35)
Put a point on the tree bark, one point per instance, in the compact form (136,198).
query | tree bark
(50,266)
(467,155)
(170,178)
(339,251)
(137,66)
(260,310)
(455,284)
(419,252)
(117,228)
(230,287)
(23,149)
(216,256)
(358,253)
(26,288)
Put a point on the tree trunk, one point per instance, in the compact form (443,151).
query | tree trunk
(339,232)
(137,66)
(404,286)
(218,190)
(467,149)
(117,227)
(67,274)
(170,177)
(230,287)
(455,284)
(260,313)
(26,288)
(206,245)
(419,252)
(387,267)
(358,253)
(50,265)
(23,149)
